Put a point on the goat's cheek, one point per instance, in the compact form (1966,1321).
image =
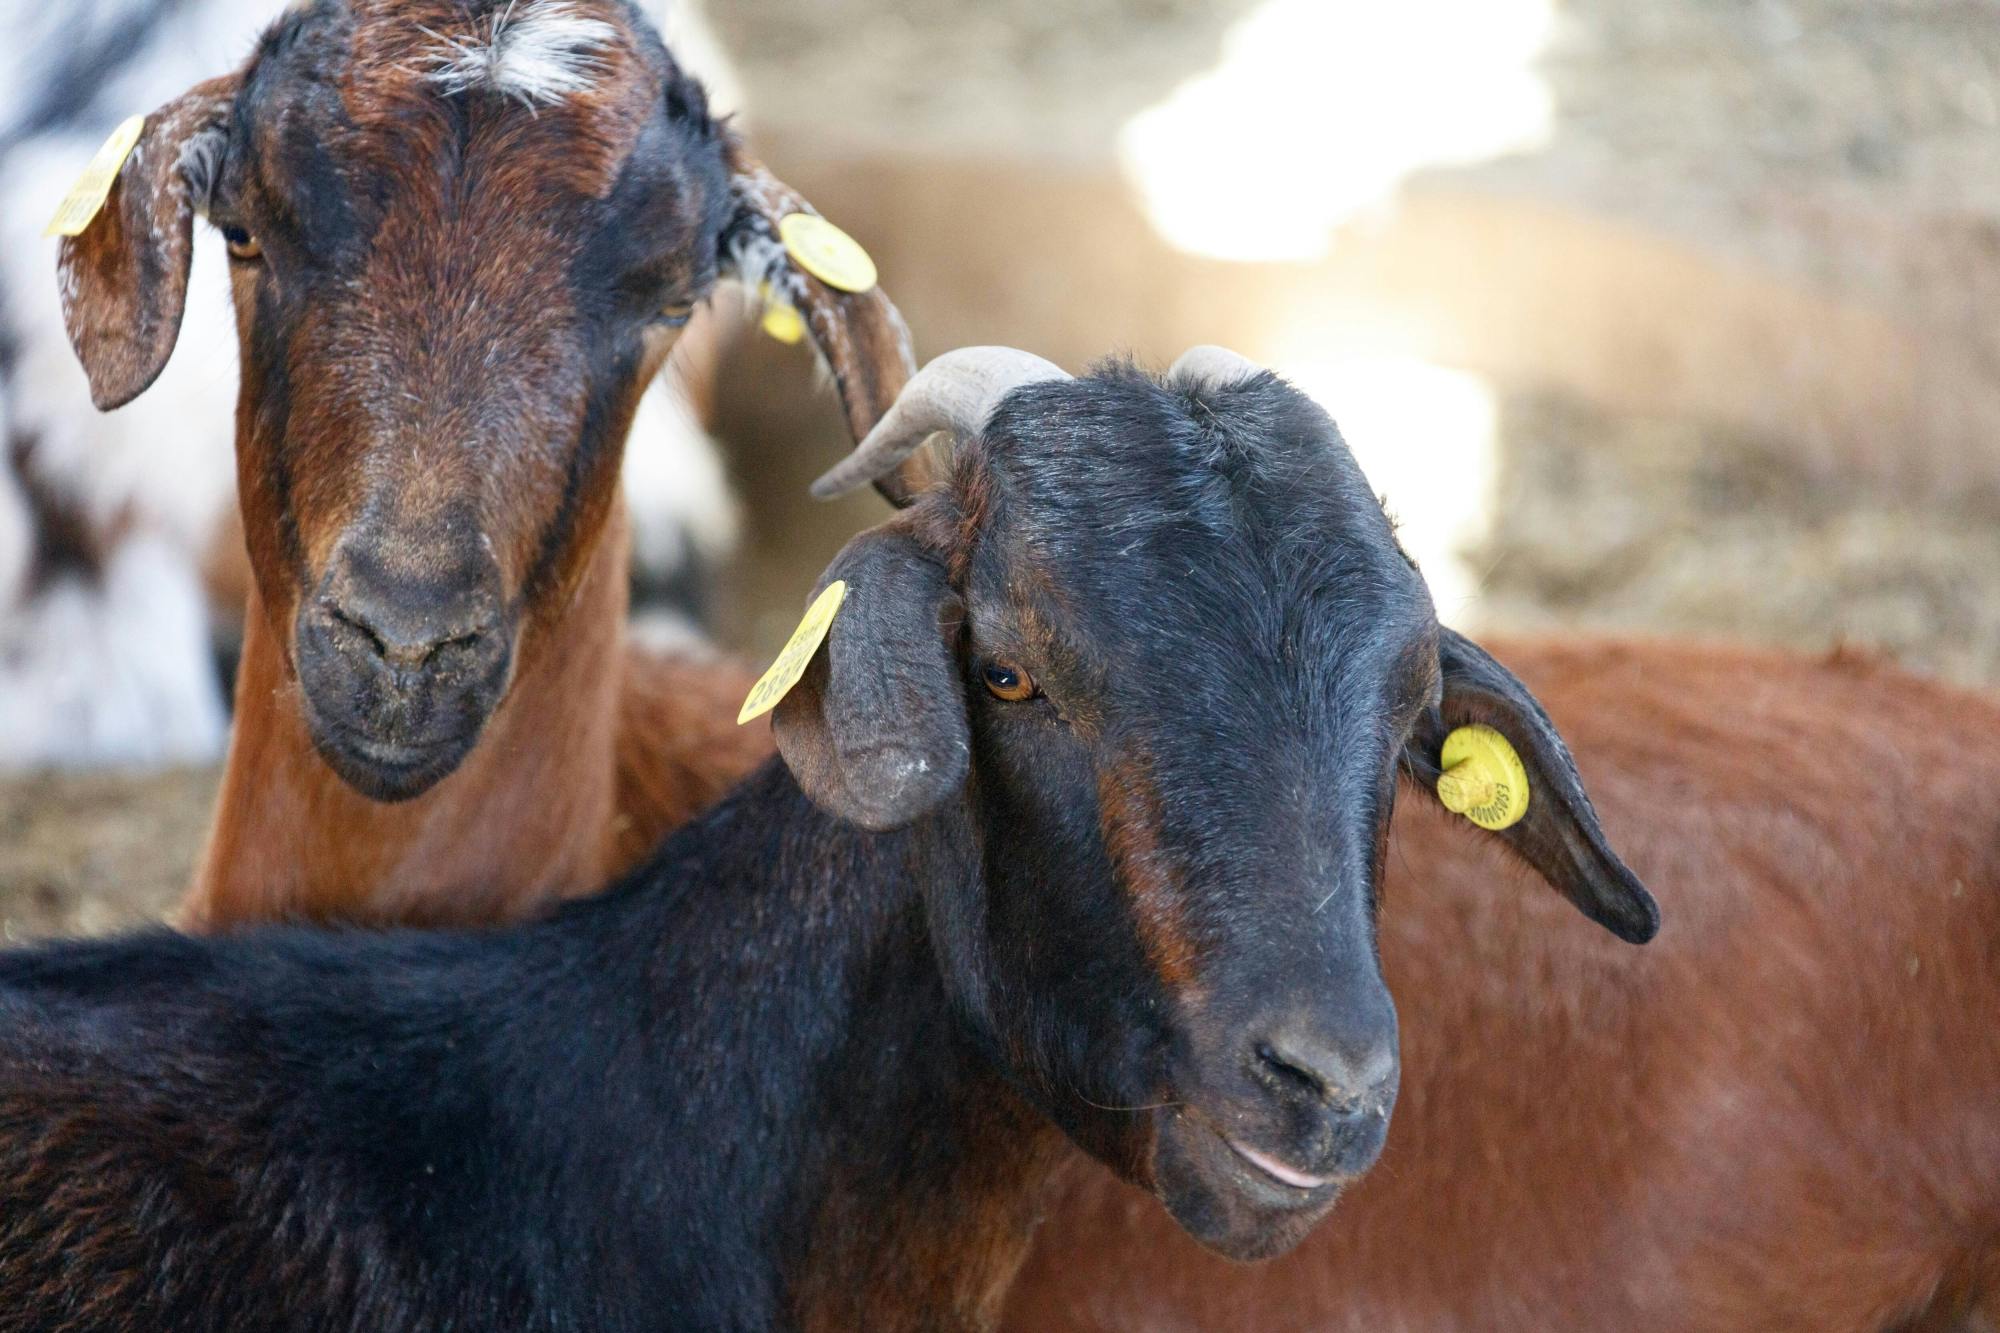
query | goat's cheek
(655,346)
(243,294)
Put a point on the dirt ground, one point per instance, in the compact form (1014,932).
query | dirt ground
(83,854)
(1638,526)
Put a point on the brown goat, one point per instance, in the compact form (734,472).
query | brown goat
(463,239)
(1783,1114)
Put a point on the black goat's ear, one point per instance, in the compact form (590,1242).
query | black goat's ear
(124,279)
(1559,835)
(875,731)
(860,335)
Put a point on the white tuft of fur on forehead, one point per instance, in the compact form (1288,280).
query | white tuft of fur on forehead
(537,51)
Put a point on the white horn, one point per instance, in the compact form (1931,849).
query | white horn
(956,392)
(1209,366)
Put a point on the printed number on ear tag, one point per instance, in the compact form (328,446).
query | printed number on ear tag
(1483,778)
(826,252)
(93,187)
(791,664)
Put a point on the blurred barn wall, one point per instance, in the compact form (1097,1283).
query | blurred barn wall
(1743,256)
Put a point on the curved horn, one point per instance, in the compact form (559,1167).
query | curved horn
(956,392)
(1213,367)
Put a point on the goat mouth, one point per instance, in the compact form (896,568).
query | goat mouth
(1260,1175)
(1236,1200)
(390,754)
(1277,1170)
(386,770)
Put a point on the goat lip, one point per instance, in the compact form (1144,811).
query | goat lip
(1230,1203)
(383,770)
(388,753)
(382,753)
(1275,1169)
(389,756)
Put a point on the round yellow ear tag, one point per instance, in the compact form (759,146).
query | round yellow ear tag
(826,252)
(780,320)
(776,683)
(1483,778)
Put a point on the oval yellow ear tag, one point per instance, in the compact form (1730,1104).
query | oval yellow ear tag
(776,683)
(1483,778)
(826,252)
(780,321)
(93,187)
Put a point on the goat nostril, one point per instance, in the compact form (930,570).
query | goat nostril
(1345,1083)
(403,651)
(359,626)
(1291,1070)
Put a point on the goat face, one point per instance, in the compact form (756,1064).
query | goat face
(463,236)
(1161,644)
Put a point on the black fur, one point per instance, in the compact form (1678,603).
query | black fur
(608,1121)
(792,1073)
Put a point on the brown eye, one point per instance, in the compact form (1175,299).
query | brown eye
(1008,682)
(676,316)
(242,245)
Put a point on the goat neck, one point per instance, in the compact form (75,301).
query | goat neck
(531,813)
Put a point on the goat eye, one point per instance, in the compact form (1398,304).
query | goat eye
(1008,682)
(242,245)
(676,316)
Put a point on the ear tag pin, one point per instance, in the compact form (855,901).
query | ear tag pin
(776,683)
(826,252)
(1483,778)
(93,187)
(781,320)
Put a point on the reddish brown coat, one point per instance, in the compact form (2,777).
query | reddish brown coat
(1784,1113)
(596,748)
(599,748)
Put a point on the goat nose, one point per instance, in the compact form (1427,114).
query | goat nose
(405,614)
(405,633)
(1348,1077)
(399,639)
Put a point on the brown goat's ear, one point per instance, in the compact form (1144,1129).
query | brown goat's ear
(1559,835)
(875,732)
(861,335)
(124,280)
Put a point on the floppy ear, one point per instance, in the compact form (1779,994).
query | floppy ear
(875,732)
(1559,836)
(124,280)
(861,335)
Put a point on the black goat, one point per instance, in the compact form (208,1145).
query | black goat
(1125,700)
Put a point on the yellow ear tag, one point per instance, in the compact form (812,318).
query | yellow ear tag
(87,196)
(826,252)
(798,650)
(781,321)
(1483,778)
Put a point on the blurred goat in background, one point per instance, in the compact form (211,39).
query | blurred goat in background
(121,562)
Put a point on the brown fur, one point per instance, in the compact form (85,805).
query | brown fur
(369,434)
(951,1246)
(121,302)
(1782,1114)
(580,772)
(678,744)
(1131,822)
